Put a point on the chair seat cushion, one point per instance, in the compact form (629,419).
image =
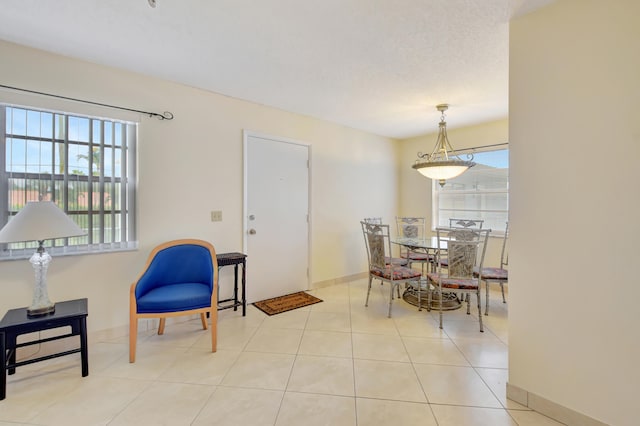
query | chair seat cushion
(396,273)
(395,261)
(454,283)
(175,297)
(493,273)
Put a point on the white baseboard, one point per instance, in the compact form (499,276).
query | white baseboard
(550,409)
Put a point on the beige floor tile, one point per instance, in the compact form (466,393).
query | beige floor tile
(420,325)
(368,321)
(200,366)
(233,337)
(170,404)
(260,370)
(380,412)
(323,375)
(448,415)
(387,380)
(337,306)
(182,334)
(236,406)
(496,379)
(434,351)
(329,321)
(31,392)
(151,362)
(102,399)
(342,358)
(327,343)
(445,384)
(275,340)
(316,410)
(296,319)
(379,347)
(486,353)
(531,418)
(231,318)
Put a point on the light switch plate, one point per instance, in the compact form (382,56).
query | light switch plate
(216,216)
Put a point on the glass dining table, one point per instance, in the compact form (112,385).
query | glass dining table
(419,297)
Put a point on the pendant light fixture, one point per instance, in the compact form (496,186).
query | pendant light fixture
(442,163)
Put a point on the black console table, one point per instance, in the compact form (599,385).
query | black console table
(71,313)
(235,259)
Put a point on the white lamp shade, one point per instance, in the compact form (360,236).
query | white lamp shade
(39,220)
(442,172)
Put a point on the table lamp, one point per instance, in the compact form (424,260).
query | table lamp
(39,221)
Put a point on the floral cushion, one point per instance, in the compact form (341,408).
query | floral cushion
(396,273)
(453,283)
(493,273)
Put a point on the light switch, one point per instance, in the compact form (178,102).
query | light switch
(216,216)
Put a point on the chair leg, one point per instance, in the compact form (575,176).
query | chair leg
(479,309)
(390,299)
(366,303)
(486,303)
(203,319)
(133,337)
(502,288)
(214,329)
(468,299)
(161,326)
(440,291)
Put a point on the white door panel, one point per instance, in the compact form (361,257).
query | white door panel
(276,217)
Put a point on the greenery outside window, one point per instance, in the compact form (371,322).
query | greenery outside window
(86,165)
(482,192)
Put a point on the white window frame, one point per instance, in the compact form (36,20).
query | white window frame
(464,213)
(110,223)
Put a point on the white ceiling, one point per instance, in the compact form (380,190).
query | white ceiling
(375,65)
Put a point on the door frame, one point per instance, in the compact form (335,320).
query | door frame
(246,134)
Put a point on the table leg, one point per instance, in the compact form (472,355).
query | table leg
(244,297)
(10,346)
(3,377)
(235,287)
(84,352)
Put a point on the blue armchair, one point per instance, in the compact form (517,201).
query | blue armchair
(180,278)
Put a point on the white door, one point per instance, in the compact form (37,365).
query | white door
(276,222)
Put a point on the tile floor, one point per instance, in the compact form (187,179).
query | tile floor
(333,363)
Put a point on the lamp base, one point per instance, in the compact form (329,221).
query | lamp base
(39,311)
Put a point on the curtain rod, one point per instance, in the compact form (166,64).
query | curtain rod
(164,116)
(475,148)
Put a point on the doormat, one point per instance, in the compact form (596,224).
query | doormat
(280,304)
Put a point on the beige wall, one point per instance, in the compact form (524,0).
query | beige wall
(354,175)
(574,136)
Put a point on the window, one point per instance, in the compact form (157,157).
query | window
(86,165)
(482,192)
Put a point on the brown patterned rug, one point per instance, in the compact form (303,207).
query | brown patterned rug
(280,304)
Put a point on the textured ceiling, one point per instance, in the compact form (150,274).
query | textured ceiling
(376,65)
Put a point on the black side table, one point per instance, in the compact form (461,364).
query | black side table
(235,259)
(71,313)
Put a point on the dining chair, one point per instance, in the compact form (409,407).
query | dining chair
(378,244)
(415,228)
(389,259)
(466,223)
(498,275)
(179,278)
(465,249)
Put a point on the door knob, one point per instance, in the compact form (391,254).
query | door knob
(252,231)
